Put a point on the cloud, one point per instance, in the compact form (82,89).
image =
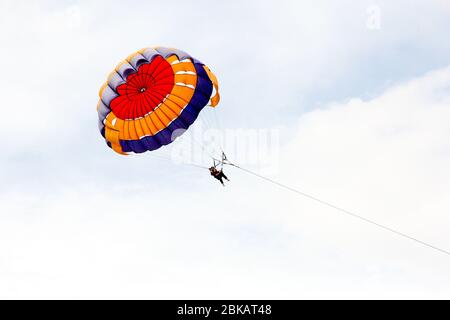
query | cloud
(385,158)
(79,221)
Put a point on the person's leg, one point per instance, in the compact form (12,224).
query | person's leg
(223,175)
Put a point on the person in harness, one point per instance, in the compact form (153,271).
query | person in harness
(218,174)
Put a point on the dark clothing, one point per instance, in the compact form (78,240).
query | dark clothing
(218,174)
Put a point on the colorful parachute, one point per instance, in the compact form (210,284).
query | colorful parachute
(150,96)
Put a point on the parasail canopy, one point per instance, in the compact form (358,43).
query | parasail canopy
(151,97)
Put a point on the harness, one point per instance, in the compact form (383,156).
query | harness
(221,162)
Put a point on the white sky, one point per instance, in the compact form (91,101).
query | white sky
(363,116)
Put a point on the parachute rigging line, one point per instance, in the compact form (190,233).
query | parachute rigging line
(352,214)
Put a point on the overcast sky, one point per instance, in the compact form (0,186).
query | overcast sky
(356,92)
